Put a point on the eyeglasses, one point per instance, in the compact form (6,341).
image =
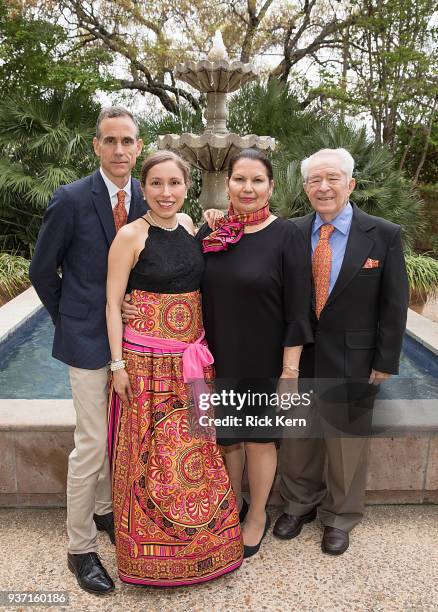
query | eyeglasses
(316,181)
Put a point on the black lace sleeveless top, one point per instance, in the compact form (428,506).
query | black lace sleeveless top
(171,262)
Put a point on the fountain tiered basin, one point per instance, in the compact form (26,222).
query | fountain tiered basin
(210,151)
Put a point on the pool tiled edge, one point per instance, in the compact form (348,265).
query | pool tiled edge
(20,309)
(36,437)
(423,331)
(17,312)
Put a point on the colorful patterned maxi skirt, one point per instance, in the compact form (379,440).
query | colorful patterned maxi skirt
(175,514)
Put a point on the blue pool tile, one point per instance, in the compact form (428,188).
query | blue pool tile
(28,370)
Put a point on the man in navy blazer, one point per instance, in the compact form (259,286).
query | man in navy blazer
(76,234)
(358,329)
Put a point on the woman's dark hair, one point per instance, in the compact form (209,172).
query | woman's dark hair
(251,154)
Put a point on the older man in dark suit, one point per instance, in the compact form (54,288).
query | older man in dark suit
(359,313)
(78,227)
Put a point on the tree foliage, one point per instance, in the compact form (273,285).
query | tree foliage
(47,118)
(148,39)
(370,59)
(387,70)
(326,64)
(37,56)
(43,144)
(417,150)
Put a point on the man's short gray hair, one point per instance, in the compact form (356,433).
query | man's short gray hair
(111,112)
(345,160)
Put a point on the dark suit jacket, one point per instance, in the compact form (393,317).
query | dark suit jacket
(362,324)
(76,234)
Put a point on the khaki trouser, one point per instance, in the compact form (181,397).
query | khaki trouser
(327,472)
(88,478)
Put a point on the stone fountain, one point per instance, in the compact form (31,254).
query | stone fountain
(210,151)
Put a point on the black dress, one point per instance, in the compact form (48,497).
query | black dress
(171,262)
(256,300)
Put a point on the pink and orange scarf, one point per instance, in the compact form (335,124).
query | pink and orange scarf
(231,228)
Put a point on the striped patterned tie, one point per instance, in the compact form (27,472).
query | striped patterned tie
(119,211)
(321,266)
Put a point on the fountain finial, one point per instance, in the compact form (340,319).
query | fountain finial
(218,51)
(216,77)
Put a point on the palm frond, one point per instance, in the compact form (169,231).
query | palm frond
(45,142)
(14,179)
(51,141)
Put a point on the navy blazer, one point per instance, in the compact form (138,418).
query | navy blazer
(76,234)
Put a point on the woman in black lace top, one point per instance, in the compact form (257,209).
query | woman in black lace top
(175,514)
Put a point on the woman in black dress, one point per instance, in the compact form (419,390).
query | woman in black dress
(256,292)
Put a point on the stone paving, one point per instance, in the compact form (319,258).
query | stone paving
(391,565)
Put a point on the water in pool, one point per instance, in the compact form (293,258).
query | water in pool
(28,370)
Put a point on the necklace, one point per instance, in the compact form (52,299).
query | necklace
(155,224)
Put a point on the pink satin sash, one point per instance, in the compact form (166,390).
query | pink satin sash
(196,355)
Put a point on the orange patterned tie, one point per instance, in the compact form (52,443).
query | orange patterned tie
(321,266)
(119,210)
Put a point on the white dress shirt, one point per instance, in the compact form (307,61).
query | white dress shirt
(113,189)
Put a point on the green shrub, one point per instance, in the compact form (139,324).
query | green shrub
(14,274)
(423,276)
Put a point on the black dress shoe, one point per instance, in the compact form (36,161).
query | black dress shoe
(334,541)
(243,510)
(90,573)
(105,522)
(249,551)
(289,526)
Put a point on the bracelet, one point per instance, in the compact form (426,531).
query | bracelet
(290,367)
(117,364)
